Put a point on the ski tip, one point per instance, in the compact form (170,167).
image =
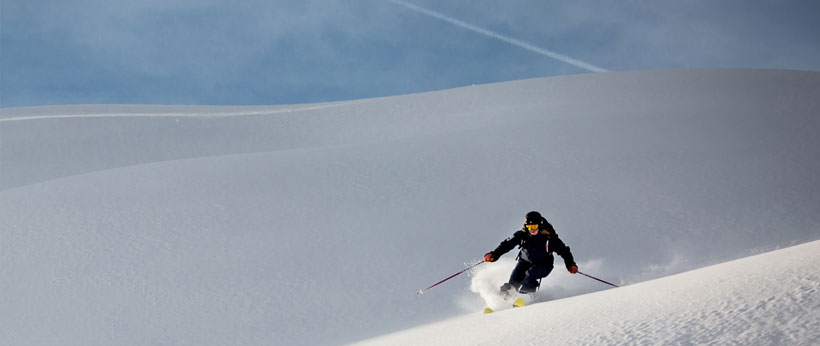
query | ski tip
(519,302)
(488,310)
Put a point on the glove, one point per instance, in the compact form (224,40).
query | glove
(490,257)
(573,269)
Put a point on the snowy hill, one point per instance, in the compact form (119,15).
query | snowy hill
(316,224)
(768,299)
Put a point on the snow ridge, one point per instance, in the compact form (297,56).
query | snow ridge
(201,230)
(768,299)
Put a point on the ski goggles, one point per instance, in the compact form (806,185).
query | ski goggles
(531,227)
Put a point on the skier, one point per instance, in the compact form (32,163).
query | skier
(537,241)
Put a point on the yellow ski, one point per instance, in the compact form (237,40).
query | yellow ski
(517,303)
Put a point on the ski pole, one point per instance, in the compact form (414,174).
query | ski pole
(594,278)
(449,277)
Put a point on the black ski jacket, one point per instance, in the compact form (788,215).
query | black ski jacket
(536,249)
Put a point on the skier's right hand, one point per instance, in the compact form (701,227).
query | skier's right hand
(490,257)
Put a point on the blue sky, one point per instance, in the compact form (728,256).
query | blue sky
(219,52)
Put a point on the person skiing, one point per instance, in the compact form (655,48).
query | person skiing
(537,241)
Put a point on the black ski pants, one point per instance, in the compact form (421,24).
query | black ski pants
(525,277)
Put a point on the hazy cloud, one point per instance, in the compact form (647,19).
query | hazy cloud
(289,51)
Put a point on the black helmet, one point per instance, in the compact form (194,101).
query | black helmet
(533,218)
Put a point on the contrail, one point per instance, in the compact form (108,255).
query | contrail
(510,40)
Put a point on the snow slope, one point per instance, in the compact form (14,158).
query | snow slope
(316,224)
(768,299)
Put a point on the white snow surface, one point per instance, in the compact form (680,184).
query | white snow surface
(767,299)
(317,224)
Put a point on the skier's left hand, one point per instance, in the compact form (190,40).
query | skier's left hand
(573,269)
